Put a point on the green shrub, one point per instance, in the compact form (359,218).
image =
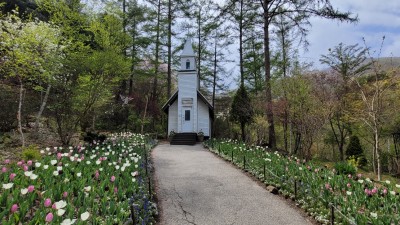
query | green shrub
(31,153)
(354,148)
(362,161)
(345,168)
(93,136)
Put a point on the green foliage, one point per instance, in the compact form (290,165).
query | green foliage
(345,168)
(362,161)
(31,153)
(354,148)
(242,110)
(90,137)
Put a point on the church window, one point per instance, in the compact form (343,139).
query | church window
(187,115)
(187,64)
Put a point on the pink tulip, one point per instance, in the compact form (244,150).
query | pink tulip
(49,217)
(97,175)
(31,188)
(25,168)
(54,206)
(4,169)
(65,194)
(29,163)
(348,185)
(14,208)
(374,190)
(349,176)
(59,155)
(327,186)
(7,161)
(112,178)
(12,176)
(385,191)
(47,202)
(359,175)
(115,190)
(367,191)
(19,163)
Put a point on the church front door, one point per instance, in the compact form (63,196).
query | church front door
(187,120)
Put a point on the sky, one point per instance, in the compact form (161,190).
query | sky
(376,19)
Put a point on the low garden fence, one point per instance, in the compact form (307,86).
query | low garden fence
(328,197)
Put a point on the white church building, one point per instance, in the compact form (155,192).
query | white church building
(188,110)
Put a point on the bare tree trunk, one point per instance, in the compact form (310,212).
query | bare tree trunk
(154,95)
(144,115)
(241,44)
(215,71)
(42,106)
(169,48)
(374,159)
(19,117)
(199,48)
(378,157)
(268,89)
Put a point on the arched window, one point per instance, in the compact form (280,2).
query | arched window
(187,64)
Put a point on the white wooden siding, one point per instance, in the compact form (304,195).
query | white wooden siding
(203,118)
(173,117)
(187,90)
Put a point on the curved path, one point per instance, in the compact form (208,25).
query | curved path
(196,187)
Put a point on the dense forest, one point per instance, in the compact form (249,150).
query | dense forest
(69,67)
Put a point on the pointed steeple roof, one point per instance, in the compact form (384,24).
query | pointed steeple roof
(188,49)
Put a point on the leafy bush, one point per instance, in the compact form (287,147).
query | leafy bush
(345,168)
(354,148)
(31,153)
(362,161)
(91,136)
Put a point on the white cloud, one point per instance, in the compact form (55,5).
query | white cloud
(376,19)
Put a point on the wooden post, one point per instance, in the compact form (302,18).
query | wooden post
(145,158)
(264,173)
(244,162)
(232,155)
(133,214)
(332,214)
(295,189)
(150,195)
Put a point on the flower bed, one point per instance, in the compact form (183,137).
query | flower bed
(318,190)
(93,184)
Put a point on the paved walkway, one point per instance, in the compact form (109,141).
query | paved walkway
(196,187)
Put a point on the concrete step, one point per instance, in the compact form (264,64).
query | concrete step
(184,139)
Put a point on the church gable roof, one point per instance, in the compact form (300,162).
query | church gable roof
(174,97)
(188,49)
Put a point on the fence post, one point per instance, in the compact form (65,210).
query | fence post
(133,214)
(150,197)
(295,189)
(332,214)
(219,149)
(232,155)
(264,173)
(244,162)
(145,158)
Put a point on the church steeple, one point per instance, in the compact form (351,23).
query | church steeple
(188,57)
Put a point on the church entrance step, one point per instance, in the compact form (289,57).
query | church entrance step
(184,139)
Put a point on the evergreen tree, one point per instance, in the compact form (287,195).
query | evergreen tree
(242,110)
(354,148)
